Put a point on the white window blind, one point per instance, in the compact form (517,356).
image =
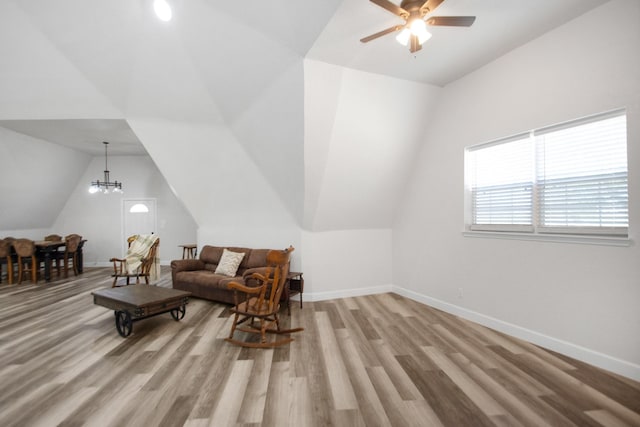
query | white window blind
(570,178)
(502,197)
(582,177)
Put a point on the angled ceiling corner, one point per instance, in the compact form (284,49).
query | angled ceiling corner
(38,79)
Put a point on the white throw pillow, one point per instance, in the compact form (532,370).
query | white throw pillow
(229,263)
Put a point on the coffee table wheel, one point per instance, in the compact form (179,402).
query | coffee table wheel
(124,325)
(178,313)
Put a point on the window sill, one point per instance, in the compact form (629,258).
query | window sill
(554,238)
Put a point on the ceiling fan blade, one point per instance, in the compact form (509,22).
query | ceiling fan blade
(451,21)
(430,5)
(391,7)
(381,33)
(415,44)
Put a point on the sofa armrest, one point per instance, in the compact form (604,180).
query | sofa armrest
(178,265)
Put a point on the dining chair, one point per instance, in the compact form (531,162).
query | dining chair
(70,255)
(27,259)
(6,258)
(58,255)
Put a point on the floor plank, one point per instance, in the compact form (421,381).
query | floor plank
(361,361)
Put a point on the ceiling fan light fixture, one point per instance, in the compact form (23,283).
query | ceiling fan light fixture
(426,35)
(413,12)
(163,10)
(403,36)
(418,27)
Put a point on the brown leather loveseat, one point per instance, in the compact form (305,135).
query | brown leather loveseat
(198,275)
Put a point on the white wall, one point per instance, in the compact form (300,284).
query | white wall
(361,131)
(338,264)
(37,178)
(98,217)
(578,299)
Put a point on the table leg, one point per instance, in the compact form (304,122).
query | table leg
(301,289)
(80,259)
(47,265)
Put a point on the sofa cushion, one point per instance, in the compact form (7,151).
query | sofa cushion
(229,263)
(211,254)
(224,283)
(245,251)
(200,277)
(257,258)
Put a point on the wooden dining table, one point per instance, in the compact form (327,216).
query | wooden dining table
(45,249)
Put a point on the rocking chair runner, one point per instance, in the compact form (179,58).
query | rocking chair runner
(262,302)
(144,261)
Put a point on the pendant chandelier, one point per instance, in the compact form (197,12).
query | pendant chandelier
(106,185)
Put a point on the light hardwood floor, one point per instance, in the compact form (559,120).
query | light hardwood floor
(380,360)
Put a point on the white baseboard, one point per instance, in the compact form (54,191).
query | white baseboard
(604,361)
(110,264)
(347,293)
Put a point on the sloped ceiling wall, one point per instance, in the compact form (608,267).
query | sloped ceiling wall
(37,81)
(361,133)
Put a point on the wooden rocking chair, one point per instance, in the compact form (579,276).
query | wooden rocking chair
(146,262)
(262,303)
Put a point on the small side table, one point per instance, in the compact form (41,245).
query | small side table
(189,251)
(294,286)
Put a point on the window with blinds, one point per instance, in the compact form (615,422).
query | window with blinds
(569,178)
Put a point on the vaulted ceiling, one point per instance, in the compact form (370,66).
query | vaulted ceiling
(242,88)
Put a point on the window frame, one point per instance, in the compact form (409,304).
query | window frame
(536,231)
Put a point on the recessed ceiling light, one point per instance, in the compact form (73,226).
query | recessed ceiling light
(162,9)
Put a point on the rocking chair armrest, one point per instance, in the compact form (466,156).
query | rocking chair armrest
(118,265)
(261,277)
(246,289)
(263,271)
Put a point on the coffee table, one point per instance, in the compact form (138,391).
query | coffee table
(136,302)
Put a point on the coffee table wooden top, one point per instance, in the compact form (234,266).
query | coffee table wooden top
(140,295)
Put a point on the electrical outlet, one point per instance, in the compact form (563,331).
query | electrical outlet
(460,293)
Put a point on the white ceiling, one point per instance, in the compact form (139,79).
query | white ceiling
(220,41)
(500,26)
(85,135)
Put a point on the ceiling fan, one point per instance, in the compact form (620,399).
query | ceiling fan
(414,29)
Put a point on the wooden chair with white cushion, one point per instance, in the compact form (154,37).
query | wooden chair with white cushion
(139,261)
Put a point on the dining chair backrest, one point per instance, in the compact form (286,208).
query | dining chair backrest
(24,247)
(6,258)
(5,248)
(27,260)
(53,238)
(72,242)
